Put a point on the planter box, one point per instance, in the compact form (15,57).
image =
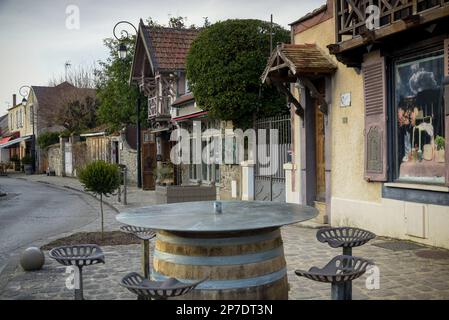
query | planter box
(174,194)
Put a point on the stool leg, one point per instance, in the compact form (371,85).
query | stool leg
(339,291)
(79,292)
(146,258)
(347,251)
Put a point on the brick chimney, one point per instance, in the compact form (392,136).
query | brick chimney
(14,100)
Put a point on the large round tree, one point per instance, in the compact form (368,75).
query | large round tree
(224,66)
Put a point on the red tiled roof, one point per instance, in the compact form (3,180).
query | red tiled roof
(168,46)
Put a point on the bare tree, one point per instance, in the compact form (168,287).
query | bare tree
(81,76)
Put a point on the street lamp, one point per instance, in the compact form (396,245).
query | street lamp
(25,91)
(124,35)
(122,53)
(24,94)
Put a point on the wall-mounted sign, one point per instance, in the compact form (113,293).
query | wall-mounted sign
(345,99)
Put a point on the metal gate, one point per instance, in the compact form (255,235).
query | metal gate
(269,179)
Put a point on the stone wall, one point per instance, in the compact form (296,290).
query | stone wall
(54,158)
(127,157)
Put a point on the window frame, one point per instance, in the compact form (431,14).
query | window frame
(416,51)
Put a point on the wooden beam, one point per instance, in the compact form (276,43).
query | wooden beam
(316,94)
(299,108)
(395,27)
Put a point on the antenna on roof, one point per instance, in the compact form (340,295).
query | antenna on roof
(67,65)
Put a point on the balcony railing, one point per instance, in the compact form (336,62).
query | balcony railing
(159,107)
(352,15)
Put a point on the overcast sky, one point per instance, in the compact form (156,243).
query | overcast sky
(35,42)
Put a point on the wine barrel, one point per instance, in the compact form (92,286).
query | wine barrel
(239,265)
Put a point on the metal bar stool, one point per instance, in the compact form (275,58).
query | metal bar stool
(145,235)
(146,289)
(80,256)
(339,271)
(346,238)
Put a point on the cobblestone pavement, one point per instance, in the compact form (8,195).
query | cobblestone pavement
(403,275)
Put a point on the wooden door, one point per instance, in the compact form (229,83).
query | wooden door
(320,151)
(148,163)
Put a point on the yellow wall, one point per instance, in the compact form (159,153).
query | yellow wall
(347,160)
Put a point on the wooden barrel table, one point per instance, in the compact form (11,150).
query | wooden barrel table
(240,251)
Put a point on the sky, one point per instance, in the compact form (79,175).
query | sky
(37,38)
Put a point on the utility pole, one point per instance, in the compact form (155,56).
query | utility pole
(271,34)
(67,66)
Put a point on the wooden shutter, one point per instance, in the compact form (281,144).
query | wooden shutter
(374,86)
(446,105)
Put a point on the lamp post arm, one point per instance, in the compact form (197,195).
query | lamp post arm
(123,33)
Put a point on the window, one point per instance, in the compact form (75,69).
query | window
(17,119)
(419,111)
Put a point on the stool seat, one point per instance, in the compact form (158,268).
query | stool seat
(145,288)
(78,255)
(340,269)
(139,232)
(346,237)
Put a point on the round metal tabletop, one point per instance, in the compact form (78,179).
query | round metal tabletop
(200,216)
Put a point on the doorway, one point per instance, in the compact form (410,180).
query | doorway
(320,136)
(148,161)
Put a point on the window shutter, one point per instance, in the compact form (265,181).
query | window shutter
(375,119)
(446,104)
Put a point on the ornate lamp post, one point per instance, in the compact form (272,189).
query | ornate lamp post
(122,54)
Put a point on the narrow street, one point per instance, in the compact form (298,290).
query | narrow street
(34,211)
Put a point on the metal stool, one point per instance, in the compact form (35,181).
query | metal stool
(80,256)
(145,235)
(146,289)
(339,271)
(345,237)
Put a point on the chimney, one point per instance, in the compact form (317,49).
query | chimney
(14,100)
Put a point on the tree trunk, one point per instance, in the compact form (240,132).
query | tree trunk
(102,220)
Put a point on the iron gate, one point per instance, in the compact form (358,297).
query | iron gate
(269,179)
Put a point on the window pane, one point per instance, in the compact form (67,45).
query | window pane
(420,119)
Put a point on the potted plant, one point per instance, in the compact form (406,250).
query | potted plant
(164,175)
(440,152)
(27,162)
(16,162)
(102,179)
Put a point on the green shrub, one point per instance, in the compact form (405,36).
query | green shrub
(224,66)
(102,179)
(440,142)
(47,139)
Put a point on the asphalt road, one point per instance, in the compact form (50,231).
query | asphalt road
(34,211)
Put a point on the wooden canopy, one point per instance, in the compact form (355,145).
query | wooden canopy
(292,62)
